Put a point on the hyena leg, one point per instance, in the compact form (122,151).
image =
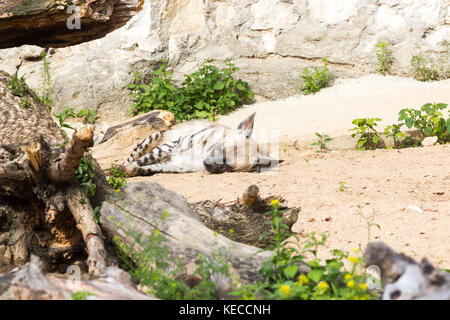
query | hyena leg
(157,155)
(144,147)
(133,170)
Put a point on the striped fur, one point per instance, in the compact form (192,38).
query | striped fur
(197,146)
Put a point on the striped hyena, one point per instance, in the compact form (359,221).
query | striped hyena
(197,146)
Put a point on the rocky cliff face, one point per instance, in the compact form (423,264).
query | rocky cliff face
(271,40)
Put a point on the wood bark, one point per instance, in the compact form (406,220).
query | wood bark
(138,208)
(41,202)
(45,22)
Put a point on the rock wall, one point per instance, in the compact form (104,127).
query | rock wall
(271,40)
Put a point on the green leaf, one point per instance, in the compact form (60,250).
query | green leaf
(219,86)
(290,271)
(409,122)
(315,275)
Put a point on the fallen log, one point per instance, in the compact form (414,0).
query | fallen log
(137,210)
(120,139)
(405,279)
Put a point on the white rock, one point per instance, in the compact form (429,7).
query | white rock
(429,141)
(414,209)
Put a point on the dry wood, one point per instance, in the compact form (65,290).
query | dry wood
(36,181)
(31,283)
(81,210)
(138,209)
(65,168)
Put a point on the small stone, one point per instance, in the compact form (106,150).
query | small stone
(429,141)
(414,209)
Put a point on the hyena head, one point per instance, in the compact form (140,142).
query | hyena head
(237,151)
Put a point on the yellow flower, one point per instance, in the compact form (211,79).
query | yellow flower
(355,250)
(285,289)
(274,203)
(353,259)
(351,284)
(348,276)
(303,279)
(173,285)
(323,285)
(365,297)
(363,286)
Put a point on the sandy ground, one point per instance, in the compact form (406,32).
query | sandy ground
(378,186)
(332,110)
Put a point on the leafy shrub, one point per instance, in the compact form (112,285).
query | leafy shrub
(368,135)
(429,120)
(203,94)
(384,57)
(314,80)
(327,279)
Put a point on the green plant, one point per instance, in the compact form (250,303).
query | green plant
(18,86)
(154,267)
(63,116)
(314,80)
(203,94)
(25,103)
(384,57)
(368,135)
(117,179)
(426,69)
(96,214)
(85,175)
(322,142)
(342,186)
(329,279)
(429,120)
(46,82)
(89,115)
(395,132)
(81,295)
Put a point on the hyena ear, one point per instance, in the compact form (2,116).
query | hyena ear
(246,127)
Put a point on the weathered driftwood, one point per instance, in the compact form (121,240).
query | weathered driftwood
(30,283)
(49,23)
(119,140)
(138,208)
(247,219)
(39,195)
(405,279)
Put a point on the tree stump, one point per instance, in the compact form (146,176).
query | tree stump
(43,209)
